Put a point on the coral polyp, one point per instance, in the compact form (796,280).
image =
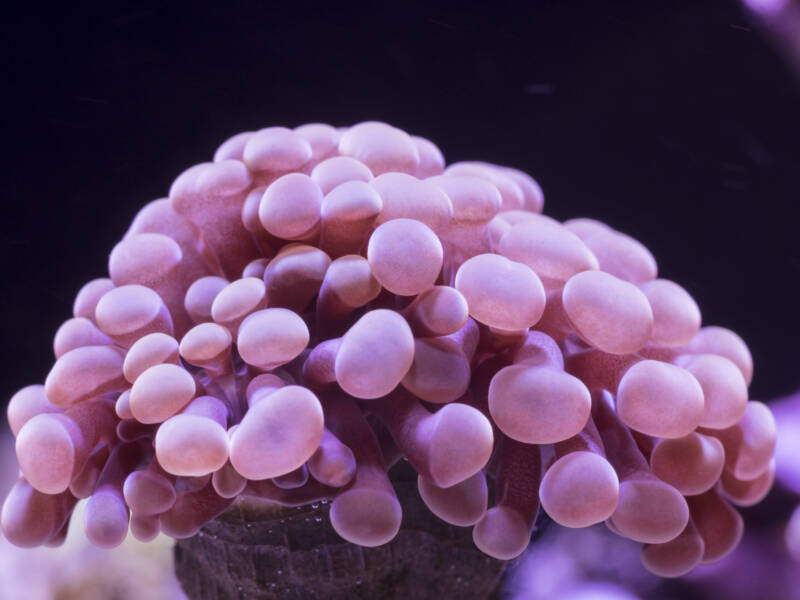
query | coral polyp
(319,303)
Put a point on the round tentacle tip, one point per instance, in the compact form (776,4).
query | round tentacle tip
(46,453)
(579,489)
(106,520)
(366,517)
(650,511)
(461,444)
(502,533)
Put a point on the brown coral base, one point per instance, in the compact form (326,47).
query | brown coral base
(294,553)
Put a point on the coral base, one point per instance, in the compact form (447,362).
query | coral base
(266,551)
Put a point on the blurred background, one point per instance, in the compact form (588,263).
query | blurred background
(676,122)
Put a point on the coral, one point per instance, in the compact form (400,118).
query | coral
(319,303)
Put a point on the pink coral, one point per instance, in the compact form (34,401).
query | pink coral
(309,284)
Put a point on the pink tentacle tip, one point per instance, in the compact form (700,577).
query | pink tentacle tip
(319,302)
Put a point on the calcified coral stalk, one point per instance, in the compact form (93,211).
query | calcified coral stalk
(318,302)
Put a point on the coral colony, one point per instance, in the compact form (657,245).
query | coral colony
(319,303)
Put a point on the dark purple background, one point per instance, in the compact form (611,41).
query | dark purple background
(672,121)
